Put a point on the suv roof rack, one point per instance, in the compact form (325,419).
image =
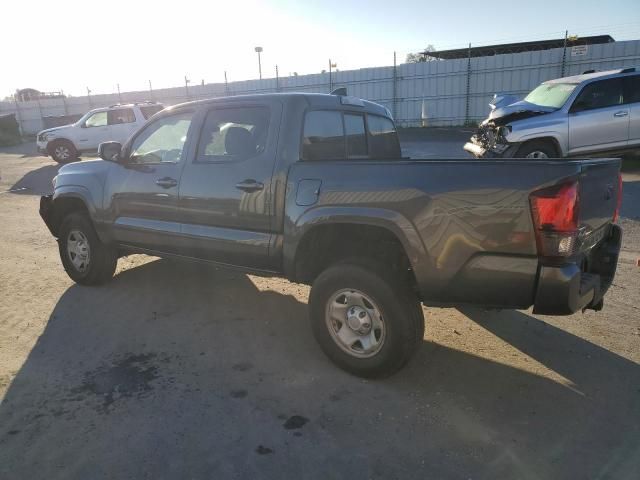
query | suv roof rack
(588,71)
(145,102)
(628,70)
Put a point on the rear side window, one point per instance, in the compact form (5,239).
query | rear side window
(151,110)
(356,136)
(601,94)
(633,89)
(233,134)
(323,137)
(383,138)
(121,115)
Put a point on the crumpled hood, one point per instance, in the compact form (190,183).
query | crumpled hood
(519,110)
(49,130)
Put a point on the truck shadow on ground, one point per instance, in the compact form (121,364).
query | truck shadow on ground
(176,371)
(37,182)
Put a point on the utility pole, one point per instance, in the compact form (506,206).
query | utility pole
(395,85)
(258,50)
(89,97)
(331,65)
(151,89)
(564,53)
(466,111)
(119,95)
(226,84)
(277,80)
(186,85)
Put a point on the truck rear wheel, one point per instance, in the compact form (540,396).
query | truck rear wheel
(85,258)
(367,322)
(62,151)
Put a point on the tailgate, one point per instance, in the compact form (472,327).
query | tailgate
(599,192)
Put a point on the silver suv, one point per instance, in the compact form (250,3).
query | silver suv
(593,114)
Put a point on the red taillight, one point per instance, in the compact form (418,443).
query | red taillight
(555,219)
(616,214)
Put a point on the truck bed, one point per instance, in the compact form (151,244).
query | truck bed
(466,224)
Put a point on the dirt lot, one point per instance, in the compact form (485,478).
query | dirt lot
(177,371)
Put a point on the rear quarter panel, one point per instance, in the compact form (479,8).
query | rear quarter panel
(457,219)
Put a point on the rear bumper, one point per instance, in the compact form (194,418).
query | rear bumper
(566,289)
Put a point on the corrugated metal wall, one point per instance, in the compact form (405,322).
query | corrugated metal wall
(453,93)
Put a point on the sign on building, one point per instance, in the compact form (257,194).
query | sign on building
(579,50)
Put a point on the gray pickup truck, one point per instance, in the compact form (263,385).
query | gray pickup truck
(314,188)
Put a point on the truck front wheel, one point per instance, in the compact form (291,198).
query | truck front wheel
(368,322)
(85,258)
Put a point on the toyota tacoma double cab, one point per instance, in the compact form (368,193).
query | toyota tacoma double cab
(117,122)
(314,188)
(593,114)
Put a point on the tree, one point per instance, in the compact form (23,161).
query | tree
(419,57)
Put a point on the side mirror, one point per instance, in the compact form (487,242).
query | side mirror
(110,151)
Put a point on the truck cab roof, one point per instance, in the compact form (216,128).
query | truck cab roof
(313,100)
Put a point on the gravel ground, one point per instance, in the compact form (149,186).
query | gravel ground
(178,371)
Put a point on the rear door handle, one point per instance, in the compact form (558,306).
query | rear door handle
(249,185)
(166,182)
(621,113)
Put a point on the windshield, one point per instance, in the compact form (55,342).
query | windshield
(551,94)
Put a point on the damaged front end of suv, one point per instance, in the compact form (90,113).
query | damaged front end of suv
(493,137)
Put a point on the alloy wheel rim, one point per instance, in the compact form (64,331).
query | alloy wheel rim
(355,323)
(62,153)
(537,154)
(78,250)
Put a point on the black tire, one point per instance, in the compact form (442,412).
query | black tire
(102,258)
(62,151)
(399,306)
(537,149)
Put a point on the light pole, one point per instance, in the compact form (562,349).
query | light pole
(334,65)
(258,51)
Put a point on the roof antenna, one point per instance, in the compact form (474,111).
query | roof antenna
(341,91)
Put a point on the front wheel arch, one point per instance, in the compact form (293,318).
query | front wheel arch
(549,145)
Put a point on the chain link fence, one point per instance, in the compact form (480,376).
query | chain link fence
(434,93)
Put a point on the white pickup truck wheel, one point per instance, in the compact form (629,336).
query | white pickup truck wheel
(366,322)
(62,151)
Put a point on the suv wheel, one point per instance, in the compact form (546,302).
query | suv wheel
(85,258)
(537,149)
(367,322)
(62,151)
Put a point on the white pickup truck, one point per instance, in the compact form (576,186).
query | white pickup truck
(114,123)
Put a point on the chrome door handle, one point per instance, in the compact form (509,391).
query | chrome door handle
(621,113)
(249,185)
(166,182)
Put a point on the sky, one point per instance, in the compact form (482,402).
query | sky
(98,45)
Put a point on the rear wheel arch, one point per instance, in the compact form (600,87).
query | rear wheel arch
(327,244)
